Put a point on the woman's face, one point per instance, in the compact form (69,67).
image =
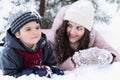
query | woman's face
(29,34)
(74,31)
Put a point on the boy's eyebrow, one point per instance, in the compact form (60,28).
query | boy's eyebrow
(31,26)
(27,27)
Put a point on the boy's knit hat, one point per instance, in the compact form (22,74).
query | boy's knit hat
(82,13)
(21,17)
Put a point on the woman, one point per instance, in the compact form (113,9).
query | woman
(76,33)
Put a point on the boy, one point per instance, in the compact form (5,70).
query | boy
(26,48)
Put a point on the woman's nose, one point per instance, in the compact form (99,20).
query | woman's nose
(72,31)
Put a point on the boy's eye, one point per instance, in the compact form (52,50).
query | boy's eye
(38,27)
(28,29)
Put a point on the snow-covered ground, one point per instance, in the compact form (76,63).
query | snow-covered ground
(109,72)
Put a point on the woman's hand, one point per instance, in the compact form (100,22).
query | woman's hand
(67,64)
(92,56)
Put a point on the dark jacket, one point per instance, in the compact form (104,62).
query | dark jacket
(12,62)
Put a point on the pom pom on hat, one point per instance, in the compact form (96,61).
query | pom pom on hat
(20,18)
(82,13)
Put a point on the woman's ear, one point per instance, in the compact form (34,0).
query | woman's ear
(17,34)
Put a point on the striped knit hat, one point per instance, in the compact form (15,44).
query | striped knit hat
(20,18)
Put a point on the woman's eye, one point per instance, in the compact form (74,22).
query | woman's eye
(79,28)
(70,26)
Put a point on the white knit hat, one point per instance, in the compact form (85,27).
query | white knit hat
(82,13)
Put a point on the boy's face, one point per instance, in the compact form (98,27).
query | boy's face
(29,34)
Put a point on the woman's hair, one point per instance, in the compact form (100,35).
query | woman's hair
(62,46)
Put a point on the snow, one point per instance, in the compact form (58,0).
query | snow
(83,73)
(111,32)
(90,72)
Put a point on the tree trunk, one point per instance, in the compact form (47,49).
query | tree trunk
(42,7)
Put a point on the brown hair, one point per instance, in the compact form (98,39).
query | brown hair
(63,48)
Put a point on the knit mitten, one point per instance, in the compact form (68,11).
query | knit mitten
(27,71)
(92,56)
(56,70)
(43,72)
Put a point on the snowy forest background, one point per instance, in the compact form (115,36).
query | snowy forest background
(104,9)
(107,22)
(107,13)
